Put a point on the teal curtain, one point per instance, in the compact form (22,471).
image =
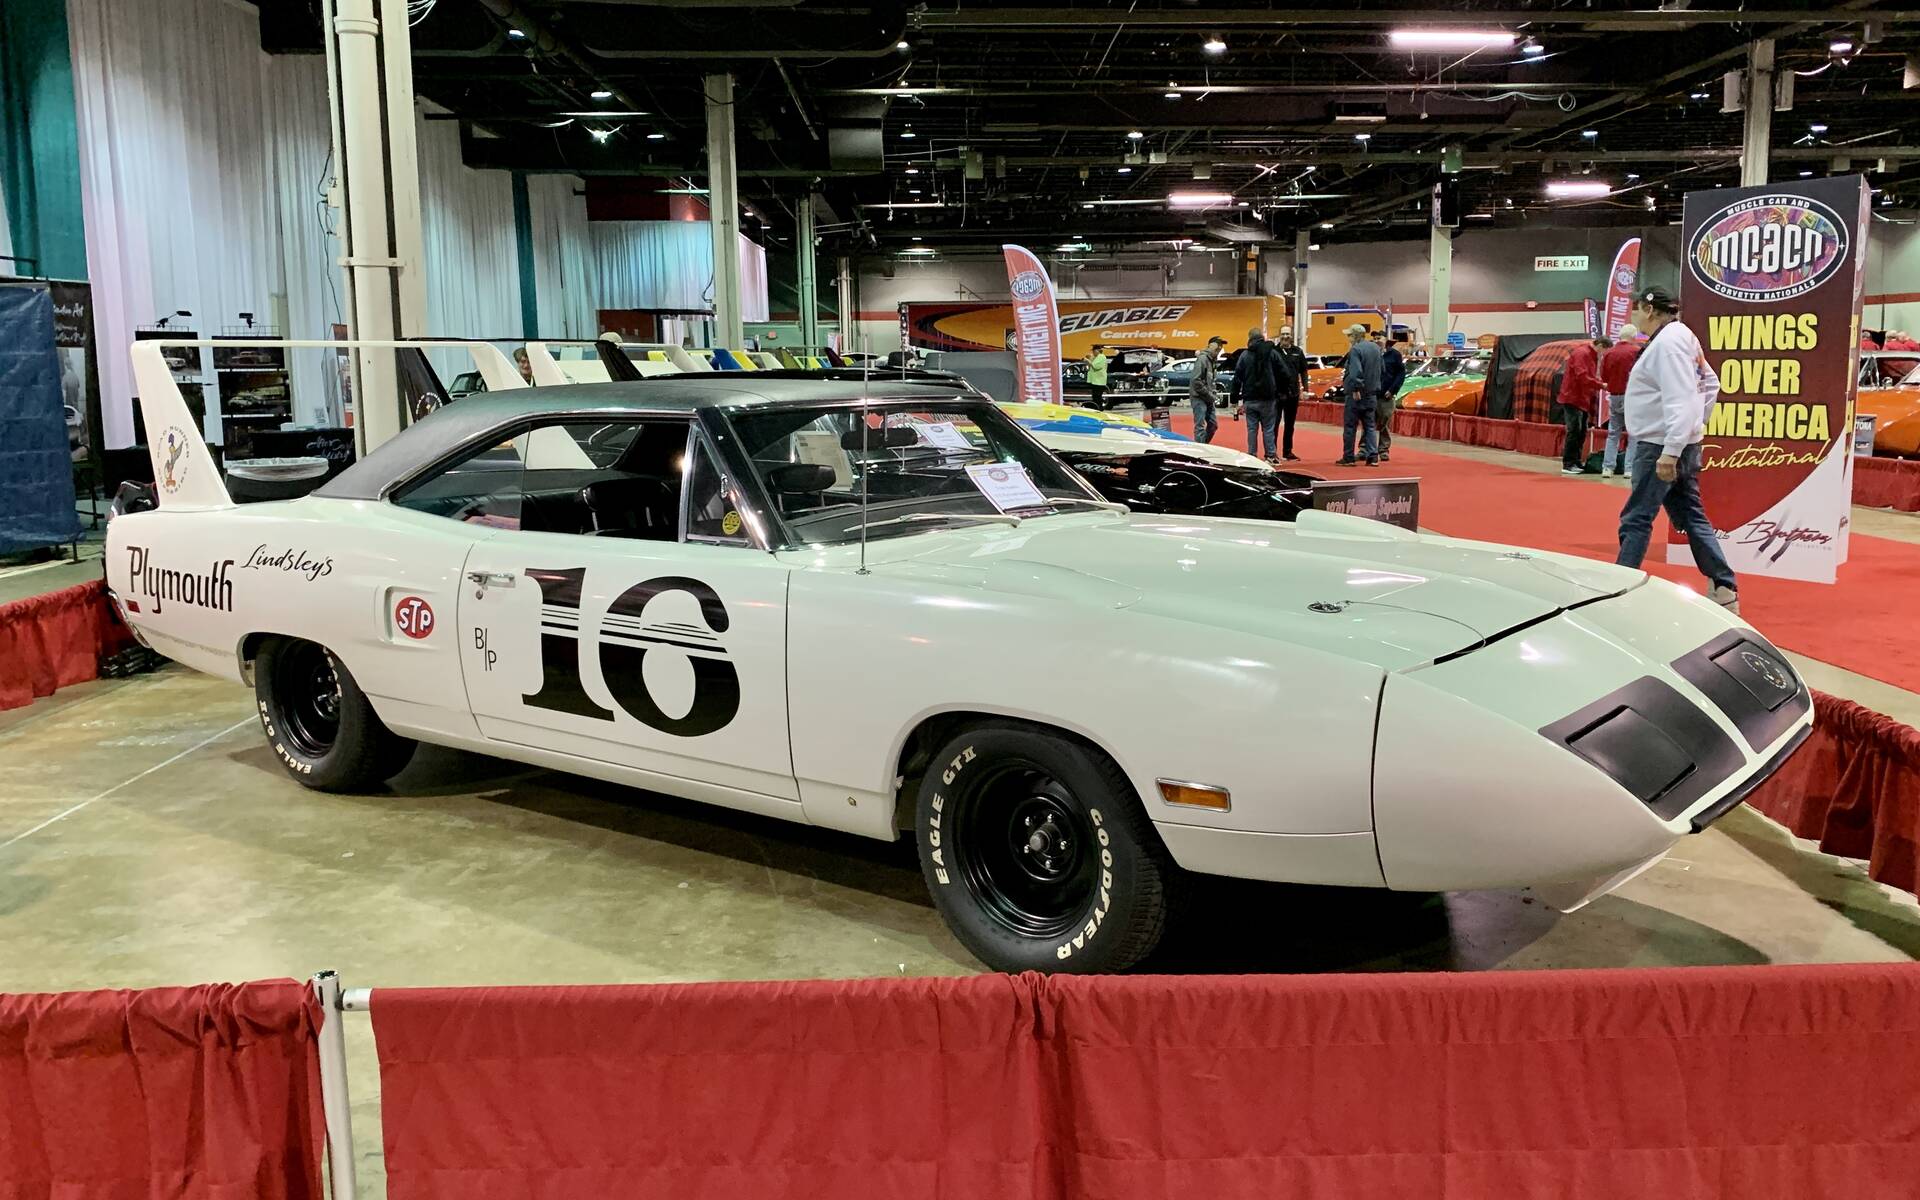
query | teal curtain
(39,138)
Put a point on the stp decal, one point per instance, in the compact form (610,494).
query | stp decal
(413,617)
(624,641)
(1768,248)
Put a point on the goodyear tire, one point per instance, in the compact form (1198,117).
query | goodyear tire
(1038,853)
(318,720)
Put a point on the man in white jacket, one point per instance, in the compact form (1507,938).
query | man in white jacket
(1670,395)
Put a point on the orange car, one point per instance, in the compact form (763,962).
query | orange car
(1324,374)
(1460,396)
(1890,390)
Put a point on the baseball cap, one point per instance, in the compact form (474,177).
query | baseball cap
(1658,299)
(1216,340)
(1356,328)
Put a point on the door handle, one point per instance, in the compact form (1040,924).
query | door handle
(483,580)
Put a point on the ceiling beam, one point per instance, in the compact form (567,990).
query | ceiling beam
(1286,18)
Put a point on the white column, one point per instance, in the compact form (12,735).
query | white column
(723,210)
(374,309)
(1439,287)
(1757,144)
(403,169)
(849,325)
(1301,241)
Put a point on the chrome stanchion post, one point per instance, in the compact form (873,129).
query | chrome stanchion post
(333,1089)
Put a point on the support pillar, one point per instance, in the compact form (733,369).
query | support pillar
(372,95)
(1439,287)
(808,281)
(1757,141)
(723,211)
(1301,241)
(849,316)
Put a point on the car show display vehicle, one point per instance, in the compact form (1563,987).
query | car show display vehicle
(890,609)
(1890,393)
(1454,383)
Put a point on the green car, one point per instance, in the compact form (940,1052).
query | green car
(1446,368)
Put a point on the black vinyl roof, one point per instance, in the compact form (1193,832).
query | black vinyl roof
(489,414)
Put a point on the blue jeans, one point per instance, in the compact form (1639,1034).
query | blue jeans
(1263,423)
(1616,449)
(1362,410)
(1204,422)
(1681,498)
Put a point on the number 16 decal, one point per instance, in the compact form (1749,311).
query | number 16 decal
(625,639)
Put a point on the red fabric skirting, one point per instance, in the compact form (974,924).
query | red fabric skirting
(1855,789)
(208,1093)
(1887,483)
(56,640)
(1700,1082)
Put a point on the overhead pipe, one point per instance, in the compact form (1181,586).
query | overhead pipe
(1242,18)
(543,40)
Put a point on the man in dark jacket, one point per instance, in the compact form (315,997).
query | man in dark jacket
(1202,391)
(1290,398)
(1363,397)
(1393,373)
(1257,389)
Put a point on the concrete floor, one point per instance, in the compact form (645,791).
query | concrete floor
(148,837)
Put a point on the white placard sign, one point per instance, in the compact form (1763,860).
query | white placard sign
(1560,262)
(1006,486)
(943,434)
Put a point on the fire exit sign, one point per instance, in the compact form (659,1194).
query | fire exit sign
(1561,262)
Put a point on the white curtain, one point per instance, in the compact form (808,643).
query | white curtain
(470,259)
(669,265)
(565,285)
(300,140)
(178,176)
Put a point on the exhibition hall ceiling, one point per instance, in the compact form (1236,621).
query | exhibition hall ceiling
(1125,124)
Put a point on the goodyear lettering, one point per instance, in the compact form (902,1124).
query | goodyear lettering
(1103,904)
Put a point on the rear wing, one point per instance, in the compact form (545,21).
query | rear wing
(184,474)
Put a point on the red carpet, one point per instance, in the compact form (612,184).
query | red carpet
(1860,623)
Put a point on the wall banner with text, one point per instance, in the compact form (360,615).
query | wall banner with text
(1772,286)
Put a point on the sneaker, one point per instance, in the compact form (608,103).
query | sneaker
(1573,471)
(1346,462)
(1373,462)
(1726,598)
(1291,457)
(1383,456)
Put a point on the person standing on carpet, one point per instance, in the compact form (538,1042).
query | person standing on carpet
(1296,361)
(1615,365)
(1256,389)
(1669,398)
(1362,382)
(1203,393)
(1393,373)
(1579,402)
(1096,361)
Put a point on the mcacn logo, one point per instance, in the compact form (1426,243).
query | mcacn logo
(1768,248)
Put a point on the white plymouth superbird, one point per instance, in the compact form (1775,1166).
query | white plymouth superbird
(896,611)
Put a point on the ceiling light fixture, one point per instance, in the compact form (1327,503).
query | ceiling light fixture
(1806,174)
(1817,128)
(902,44)
(1172,95)
(908,132)
(1313,245)
(1362,137)
(600,135)
(1448,39)
(601,94)
(1531,49)
(1134,135)
(1214,45)
(656,136)
(1326,224)
(1589,133)
(1698,96)
(913,170)
(516,33)
(1840,46)
(1126,170)
(1198,199)
(1578,189)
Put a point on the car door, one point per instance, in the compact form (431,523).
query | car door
(657,650)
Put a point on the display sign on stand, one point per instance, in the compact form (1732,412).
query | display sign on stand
(1036,328)
(1394,501)
(1622,278)
(1772,287)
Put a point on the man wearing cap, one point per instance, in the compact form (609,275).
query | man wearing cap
(1615,366)
(1257,379)
(1670,394)
(1362,382)
(1393,376)
(1202,391)
(1296,362)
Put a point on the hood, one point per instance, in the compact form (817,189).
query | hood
(1352,587)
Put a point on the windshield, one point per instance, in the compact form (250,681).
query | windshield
(1452,364)
(933,464)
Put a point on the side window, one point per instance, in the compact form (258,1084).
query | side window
(618,479)
(711,513)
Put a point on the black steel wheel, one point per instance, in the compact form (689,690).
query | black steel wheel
(319,722)
(1038,853)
